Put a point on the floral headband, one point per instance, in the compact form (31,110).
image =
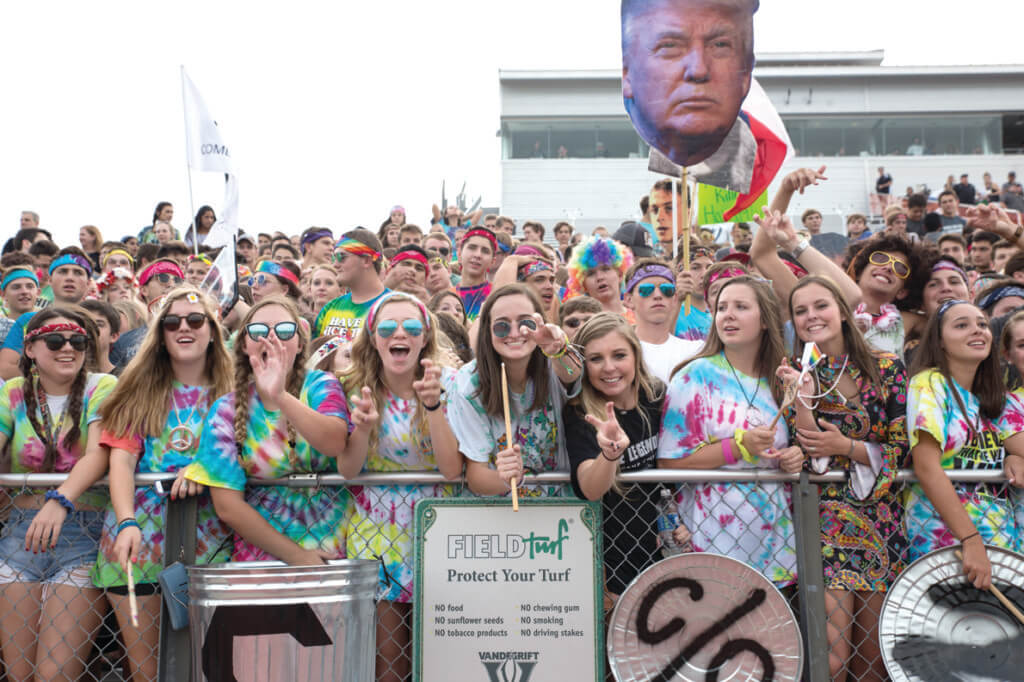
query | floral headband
(278,270)
(357,248)
(371,317)
(55,327)
(18,273)
(323,352)
(71,259)
(111,276)
(652,270)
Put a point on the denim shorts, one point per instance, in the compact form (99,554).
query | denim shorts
(66,564)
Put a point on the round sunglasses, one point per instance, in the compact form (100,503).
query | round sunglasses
(412,327)
(56,341)
(172,323)
(503,328)
(645,290)
(282,330)
(167,278)
(898,267)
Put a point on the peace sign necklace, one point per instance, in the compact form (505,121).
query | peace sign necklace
(182,438)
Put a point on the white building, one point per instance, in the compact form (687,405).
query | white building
(842,110)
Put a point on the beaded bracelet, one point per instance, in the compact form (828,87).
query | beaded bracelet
(64,502)
(127,523)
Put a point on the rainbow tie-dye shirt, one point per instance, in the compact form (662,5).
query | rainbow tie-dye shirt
(341,317)
(312,518)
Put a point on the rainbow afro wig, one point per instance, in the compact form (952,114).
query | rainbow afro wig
(591,254)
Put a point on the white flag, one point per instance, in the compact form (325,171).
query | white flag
(223,231)
(206,148)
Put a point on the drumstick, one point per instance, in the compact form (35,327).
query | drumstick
(685,197)
(508,433)
(999,595)
(132,604)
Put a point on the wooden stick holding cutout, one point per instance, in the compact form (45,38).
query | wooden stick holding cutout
(508,433)
(787,399)
(133,605)
(1010,606)
(685,218)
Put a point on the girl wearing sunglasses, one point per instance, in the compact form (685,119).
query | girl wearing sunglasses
(50,418)
(275,279)
(850,416)
(718,411)
(612,426)
(278,420)
(543,373)
(960,418)
(400,424)
(152,423)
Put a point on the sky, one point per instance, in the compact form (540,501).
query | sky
(336,111)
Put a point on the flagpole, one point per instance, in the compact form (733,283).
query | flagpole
(188,170)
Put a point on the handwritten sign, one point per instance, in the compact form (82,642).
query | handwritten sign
(503,596)
(713,202)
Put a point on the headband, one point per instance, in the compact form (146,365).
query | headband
(652,270)
(157,268)
(111,276)
(120,251)
(944,308)
(721,274)
(947,265)
(371,316)
(993,297)
(532,268)
(699,251)
(314,235)
(320,354)
(277,270)
(480,232)
(357,248)
(397,208)
(407,255)
(18,273)
(527,250)
(504,248)
(201,257)
(55,327)
(71,259)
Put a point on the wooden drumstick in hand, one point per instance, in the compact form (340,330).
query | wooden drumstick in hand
(508,433)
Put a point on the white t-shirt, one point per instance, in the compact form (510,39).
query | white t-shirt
(661,358)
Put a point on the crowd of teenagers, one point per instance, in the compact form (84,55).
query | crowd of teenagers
(384,350)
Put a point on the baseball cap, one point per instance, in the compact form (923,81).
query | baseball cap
(638,239)
(246,237)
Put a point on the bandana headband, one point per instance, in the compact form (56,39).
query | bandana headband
(999,294)
(480,232)
(504,248)
(158,268)
(532,268)
(314,235)
(323,352)
(71,259)
(944,308)
(55,327)
(120,251)
(722,274)
(357,248)
(652,270)
(278,270)
(371,317)
(946,265)
(410,255)
(19,273)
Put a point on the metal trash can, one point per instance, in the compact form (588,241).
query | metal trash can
(266,621)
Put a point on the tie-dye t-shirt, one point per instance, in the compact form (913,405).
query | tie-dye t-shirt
(695,326)
(538,432)
(381,520)
(27,449)
(707,402)
(473,299)
(341,317)
(968,441)
(311,517)
(189,404)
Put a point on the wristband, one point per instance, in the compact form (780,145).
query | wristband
(612,459)
(801,246)
(852,445)
(127,523)
(432,408)
(968,537)
(727,453)
(64,502)
(744,453)
(1019,232)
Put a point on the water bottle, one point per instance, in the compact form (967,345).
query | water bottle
(668,521)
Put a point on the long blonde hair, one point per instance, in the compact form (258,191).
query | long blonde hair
(140,402)
(243,370)
(368,370)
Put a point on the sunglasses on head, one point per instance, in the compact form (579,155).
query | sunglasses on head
(282,330)
(503,328)
(668,290)
(167,278)
(172,323)
(56,341)
(412,327)
(899,268)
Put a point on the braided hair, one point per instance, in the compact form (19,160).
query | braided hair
(33,391)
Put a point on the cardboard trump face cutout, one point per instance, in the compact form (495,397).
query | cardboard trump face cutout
(687,87)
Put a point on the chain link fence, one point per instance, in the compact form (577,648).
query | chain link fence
(55,624)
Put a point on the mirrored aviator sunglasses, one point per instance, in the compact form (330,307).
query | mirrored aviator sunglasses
(503,328)
(668,290)
(386,328)
(55,342)
(282,330)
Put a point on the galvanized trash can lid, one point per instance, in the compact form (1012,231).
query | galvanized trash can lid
(937,626)
(692,613)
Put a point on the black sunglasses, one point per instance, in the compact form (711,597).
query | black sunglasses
(172,323)
(56,341)
(167,278)
(502,329)
(282,330)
